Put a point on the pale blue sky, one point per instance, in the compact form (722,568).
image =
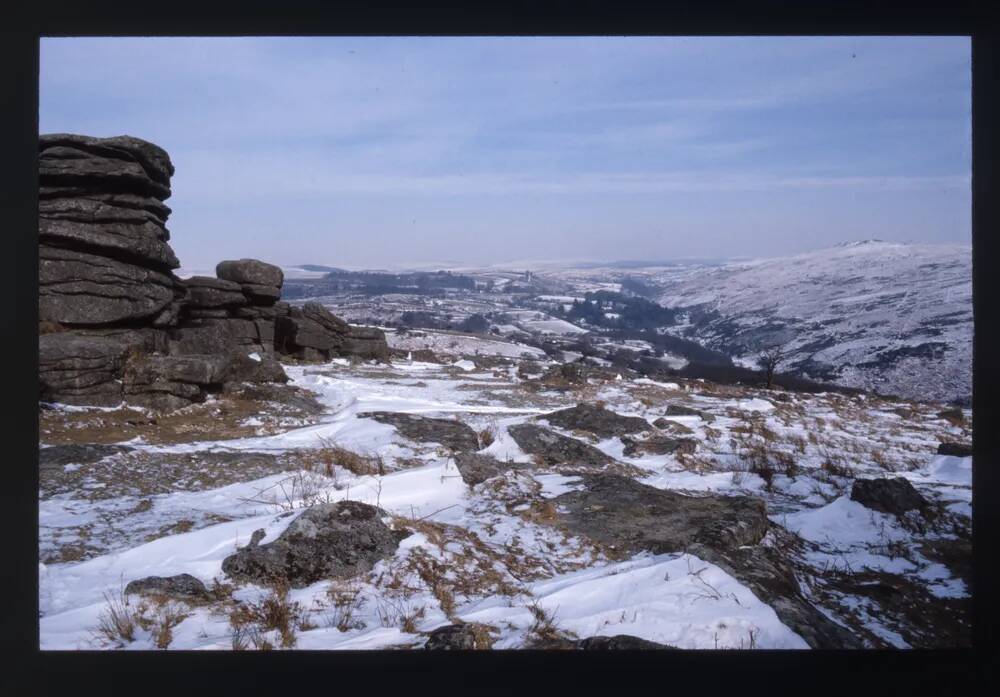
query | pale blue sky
(378,152)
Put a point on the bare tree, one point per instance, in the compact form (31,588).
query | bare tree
(769,360)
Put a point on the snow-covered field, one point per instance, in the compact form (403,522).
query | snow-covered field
(676,599)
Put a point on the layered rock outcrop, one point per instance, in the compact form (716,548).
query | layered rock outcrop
(312,332)
(117,324)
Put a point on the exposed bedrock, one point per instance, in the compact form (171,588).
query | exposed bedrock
(724,530)
(116,323)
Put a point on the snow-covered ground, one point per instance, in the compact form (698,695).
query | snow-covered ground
(676,599)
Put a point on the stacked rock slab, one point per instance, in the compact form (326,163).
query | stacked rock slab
(106,283)
(313,333)
(117,325)
(113,314)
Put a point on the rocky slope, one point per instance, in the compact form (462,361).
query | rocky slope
(487,501)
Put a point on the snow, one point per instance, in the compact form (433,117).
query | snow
(681,601)
(674,599)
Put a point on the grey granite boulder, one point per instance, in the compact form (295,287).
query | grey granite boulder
(327,541)
(250,271)
(179,587)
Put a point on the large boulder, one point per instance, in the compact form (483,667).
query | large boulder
(365,342)
(602,422)
(80,288)
(448,432)
(327,541)
(250,271)
(554,448)
(80,370)
(309,327)
(895,496)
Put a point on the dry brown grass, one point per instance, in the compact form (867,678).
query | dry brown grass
(274,612)
(222,419)
(330,455)
(123,616)
(488,434)
(544,627)
(346,600)
(117,622)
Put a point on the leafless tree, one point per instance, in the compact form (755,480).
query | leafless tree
(769,360)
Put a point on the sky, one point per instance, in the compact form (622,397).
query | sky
(381,152)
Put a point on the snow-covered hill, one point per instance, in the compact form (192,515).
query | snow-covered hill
(896,318)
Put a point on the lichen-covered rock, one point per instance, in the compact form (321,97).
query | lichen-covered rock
(448,432)
(181,587)
(554,448)
(327,541)
(602,422)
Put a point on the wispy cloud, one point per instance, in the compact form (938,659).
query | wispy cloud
(268,123)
